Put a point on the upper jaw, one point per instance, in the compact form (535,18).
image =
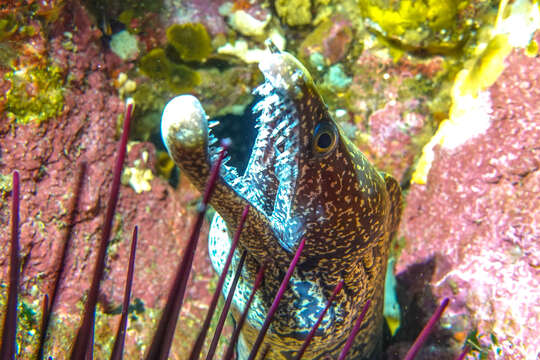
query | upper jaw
(283,71)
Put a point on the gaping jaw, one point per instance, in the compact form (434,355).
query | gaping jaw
(295,133)
(269,181)
(271,176)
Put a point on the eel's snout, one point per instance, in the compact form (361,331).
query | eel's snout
(184,127)
(184,124)
(285,72)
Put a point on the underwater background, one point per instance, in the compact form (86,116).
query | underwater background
(442,95)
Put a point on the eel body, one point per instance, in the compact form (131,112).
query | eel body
(304,179)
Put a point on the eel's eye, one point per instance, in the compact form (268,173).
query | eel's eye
(324,138)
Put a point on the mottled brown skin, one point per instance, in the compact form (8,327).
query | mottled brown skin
(343,206)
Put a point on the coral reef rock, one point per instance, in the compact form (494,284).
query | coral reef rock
(477,219)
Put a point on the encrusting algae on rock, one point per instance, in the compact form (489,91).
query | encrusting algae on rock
(436,27)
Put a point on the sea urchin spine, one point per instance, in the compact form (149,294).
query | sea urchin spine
(84,340)
(161,343)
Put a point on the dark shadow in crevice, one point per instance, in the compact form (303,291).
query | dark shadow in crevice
(418,303)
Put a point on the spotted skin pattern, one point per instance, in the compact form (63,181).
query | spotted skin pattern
(304,179)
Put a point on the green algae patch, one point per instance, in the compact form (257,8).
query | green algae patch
(294,13)
(532,49)
(409,15)
(8,27)
(190,40)
(183,78)
(36,94)
(164,164)
(171,70)
(157,66)
(432,26)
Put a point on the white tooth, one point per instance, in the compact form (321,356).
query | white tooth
(283,155)
(212,140)
(237,182)
(213,123)
(282,125)
(280,141)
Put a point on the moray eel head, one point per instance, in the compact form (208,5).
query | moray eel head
(304,179)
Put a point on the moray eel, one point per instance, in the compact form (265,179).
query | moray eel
(304,179)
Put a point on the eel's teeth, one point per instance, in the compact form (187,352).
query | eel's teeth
(237,182)
(289,129)
(280,140)
(283,156)
(213,123)
(231,172)
(264,89)
(282,125)
(212,139)
(295,123)
(267,103)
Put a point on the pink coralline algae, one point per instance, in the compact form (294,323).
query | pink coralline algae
(391,102)
(392,129)
(206,12)
(476,221)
